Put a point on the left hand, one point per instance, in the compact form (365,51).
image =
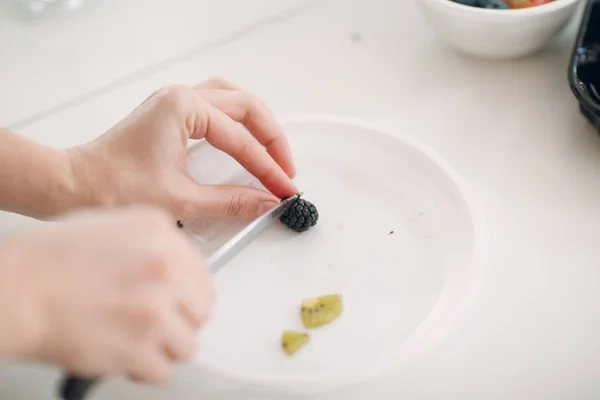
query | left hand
(142,159)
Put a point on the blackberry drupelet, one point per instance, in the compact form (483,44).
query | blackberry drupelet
(301,216)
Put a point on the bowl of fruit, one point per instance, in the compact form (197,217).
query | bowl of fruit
(500,29)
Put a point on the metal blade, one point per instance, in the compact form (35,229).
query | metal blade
(236,244)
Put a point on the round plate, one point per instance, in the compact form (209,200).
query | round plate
(400,236)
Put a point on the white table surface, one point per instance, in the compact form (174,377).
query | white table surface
(512,129)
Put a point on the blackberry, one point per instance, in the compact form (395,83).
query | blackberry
(494,4)
(301,216)
(472,3)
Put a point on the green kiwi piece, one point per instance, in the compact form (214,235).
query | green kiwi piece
(319,311)
(292,341)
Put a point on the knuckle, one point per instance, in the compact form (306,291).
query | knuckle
(253,104)
(197,315)
(206,303)
(128,356)
(208,296)
(176,97)
(238,203)
(188,345)
(147,314)
(242,150)
(254,101)
(149,369)
(268,174)
(182,353)
(219,82)
(131,354)
(203,316)
(158,268)
(161,374)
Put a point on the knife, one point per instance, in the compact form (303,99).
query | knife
(73,388)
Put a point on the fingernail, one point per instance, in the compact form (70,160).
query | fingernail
(266,206)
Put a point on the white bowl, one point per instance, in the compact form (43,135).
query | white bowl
(499,34)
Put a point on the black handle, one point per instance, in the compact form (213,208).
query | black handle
(73,388)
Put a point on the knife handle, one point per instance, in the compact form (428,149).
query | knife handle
(73,388)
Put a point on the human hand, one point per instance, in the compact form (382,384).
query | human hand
(143,158)
(117,292)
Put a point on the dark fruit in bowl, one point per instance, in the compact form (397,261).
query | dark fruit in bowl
(472,3)
(495,4)
(502,4)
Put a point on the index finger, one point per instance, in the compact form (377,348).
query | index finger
(260,121)
(226,135)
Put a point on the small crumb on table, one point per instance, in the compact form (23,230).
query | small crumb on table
(356,37)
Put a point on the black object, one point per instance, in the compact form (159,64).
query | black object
(494,4)
(73,388)
(301,216)
(584,71)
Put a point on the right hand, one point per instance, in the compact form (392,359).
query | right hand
(119,292)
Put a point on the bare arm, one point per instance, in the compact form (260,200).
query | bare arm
(36,180)
(141,160)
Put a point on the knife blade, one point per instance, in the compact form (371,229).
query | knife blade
(74,388)
(236,244)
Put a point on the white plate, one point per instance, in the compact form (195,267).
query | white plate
(402,291)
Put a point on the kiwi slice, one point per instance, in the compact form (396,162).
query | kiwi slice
(292,341)
(318,311)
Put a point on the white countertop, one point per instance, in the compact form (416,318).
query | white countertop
(512,129)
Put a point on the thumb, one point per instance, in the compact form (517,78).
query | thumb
(232,201)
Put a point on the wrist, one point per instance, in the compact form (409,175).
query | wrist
(67,193)
(92,177)
(37,180)
(20,304)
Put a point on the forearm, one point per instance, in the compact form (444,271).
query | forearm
(36,180)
